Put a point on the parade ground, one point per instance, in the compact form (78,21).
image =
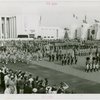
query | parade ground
(74,75)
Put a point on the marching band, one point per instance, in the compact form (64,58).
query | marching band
(26,52)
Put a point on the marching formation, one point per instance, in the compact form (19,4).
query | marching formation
(14,55)
(65,58)
(27,51)
(93,63)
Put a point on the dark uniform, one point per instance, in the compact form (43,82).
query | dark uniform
(71,60)
(68,59)
(65,59)
(62,59)
(57,56)
(53,57)
(49,57)
(76,59)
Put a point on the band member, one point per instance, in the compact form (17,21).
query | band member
(49,57)
(62,59)
(68,59)
(53,57)
(76,59)
(97,65)
(87,64)
(94,64)
(71,60)
(65,59)
(57,56)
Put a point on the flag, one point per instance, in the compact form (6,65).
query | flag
(40,20)
(96,21)
(73,15)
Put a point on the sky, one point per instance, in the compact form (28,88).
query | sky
(57,13)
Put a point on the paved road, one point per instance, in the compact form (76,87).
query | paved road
(75,70)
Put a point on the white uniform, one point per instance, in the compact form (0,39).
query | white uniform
(7,91)
(6,79)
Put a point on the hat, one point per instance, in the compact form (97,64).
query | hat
(34,90)
(12,77)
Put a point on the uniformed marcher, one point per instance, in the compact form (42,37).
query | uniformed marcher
(65,59)
(68,59)
(94,64)
(57,57)
(87,64)
(71,60)
(76,59)
(62,60)
(53,57)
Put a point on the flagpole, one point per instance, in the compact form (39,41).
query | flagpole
(40,21)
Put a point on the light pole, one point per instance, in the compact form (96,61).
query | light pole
(57,33)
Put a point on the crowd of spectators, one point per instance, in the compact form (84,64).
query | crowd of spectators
(21,82)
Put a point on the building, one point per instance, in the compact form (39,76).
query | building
(30,25)
(84,31)
(75,32)
(97,31)
(26,26)
(12,27)
(8,28)
(50,33)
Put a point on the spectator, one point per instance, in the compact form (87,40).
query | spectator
(7,90)
(2,79)
(21,85)
(27,88)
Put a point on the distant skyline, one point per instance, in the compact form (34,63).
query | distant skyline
(53,13)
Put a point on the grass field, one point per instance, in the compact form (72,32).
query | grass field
(76,84)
